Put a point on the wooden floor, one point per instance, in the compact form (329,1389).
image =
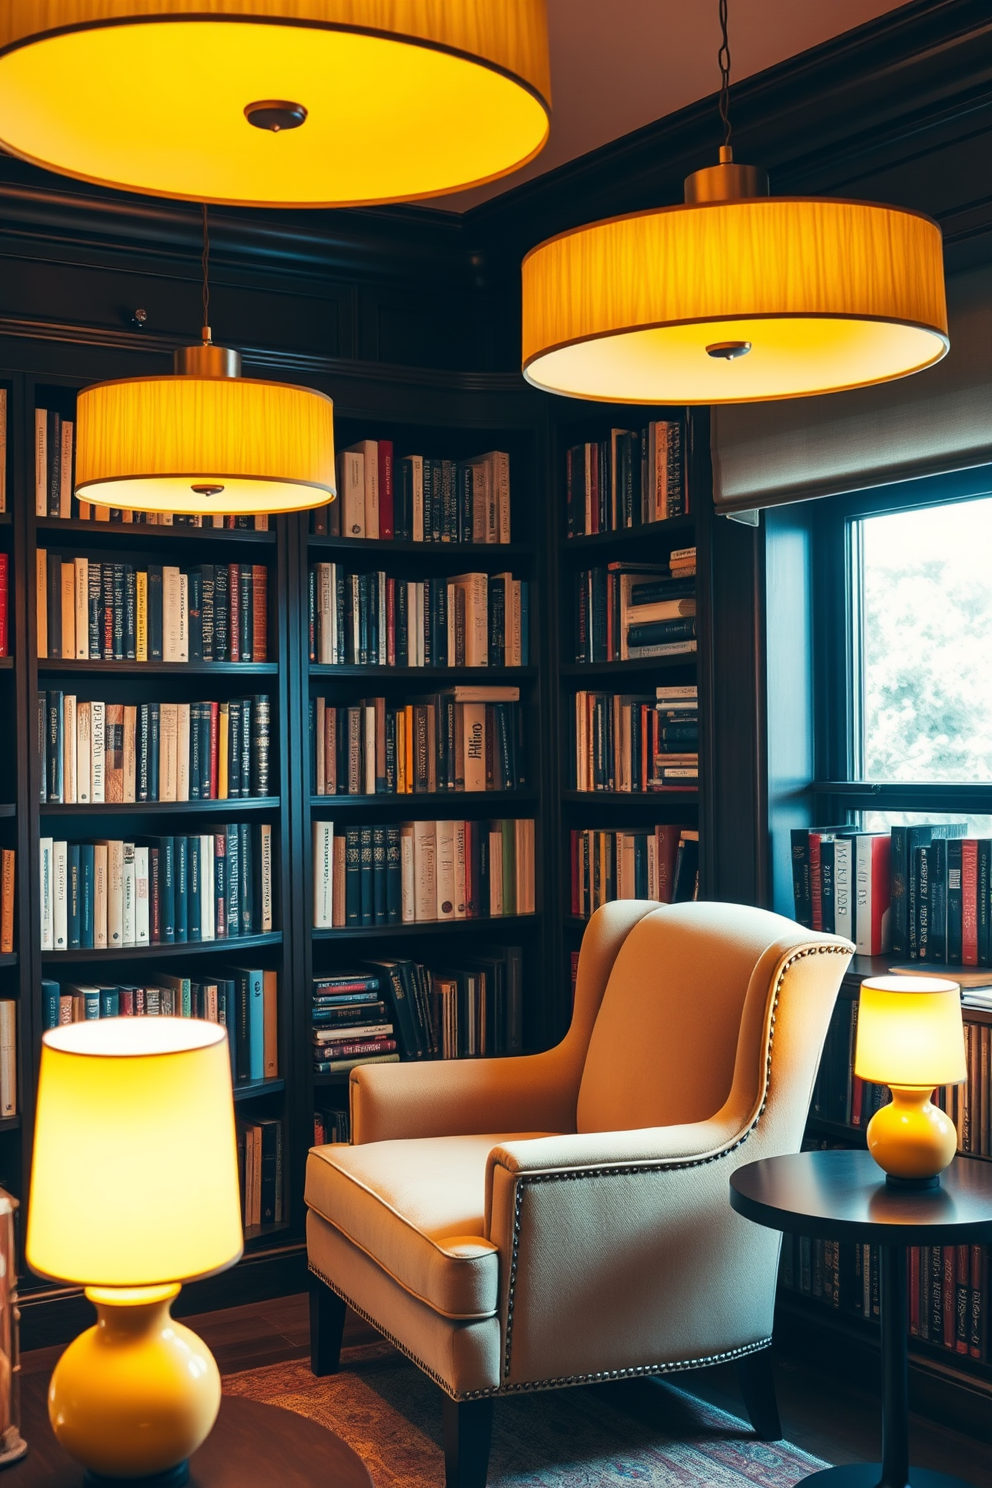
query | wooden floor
(835,1421)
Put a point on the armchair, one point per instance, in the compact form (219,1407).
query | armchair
(563,1217)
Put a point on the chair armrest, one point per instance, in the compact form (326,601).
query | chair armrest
(461,1097)
(698,1141)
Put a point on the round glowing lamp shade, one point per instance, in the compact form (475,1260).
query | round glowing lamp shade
(910,1032)
(276,102)
(135,1176)
(734,301)
(204,446)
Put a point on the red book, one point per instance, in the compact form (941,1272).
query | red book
(259,612)
(214,750)
(220,855)
(3,604)
(873,894)
(962,1290)
(234,609)
(386,526)
(594,476)
(975,1300)
(126,1003)
(949,1296)
(666,839)
(969,901)
(816,880)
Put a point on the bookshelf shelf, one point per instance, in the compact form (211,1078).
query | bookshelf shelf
(437,675)
(425,927)
(127,533)
(255,1233)
(429,803)
(10,1123)
(163,808)
(235,945)
(9,958)
(629,538)
(6,663)
(162,668)
(490,555)
(667,796)
(255,1088)
(8,809)
(661,666)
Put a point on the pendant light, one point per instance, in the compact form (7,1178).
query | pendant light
(206,441)
(276,102)
(736,296)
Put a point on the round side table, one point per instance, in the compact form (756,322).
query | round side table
(844,1196)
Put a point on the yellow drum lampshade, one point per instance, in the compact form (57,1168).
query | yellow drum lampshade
(731,301)
(135,1177)
(910,1032)
(206,446)
(276,102)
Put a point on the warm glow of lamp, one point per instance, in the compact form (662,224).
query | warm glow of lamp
(352,101)
(210,445)
(911,1038)
(734,298)
(134,1190)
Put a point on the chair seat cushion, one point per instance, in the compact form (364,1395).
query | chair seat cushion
(417,1208)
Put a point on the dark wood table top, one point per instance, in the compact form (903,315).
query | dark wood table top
(251,1446)
(843,1195)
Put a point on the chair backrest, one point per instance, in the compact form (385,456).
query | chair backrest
(665,1042)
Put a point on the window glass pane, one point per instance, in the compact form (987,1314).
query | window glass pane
(927,643)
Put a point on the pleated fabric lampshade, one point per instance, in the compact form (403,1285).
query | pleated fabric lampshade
(352,101)
(206,446)
(730,301)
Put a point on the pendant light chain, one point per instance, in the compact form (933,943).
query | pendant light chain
(723,58)
(205,260)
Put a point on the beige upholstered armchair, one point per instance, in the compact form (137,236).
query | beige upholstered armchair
(559,1218)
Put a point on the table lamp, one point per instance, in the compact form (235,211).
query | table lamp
(911,1038)
(134,1190)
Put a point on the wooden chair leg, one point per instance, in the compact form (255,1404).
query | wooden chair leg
(327,1312)
(468,1430)
(757,1382)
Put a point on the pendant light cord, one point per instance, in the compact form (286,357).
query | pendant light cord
(723,58)
(205,260)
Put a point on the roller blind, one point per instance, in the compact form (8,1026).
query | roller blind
(765,454)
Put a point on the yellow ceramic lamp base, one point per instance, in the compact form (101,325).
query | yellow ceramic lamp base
(135,1395)
(910,1138)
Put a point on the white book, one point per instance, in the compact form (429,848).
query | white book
(208,888)
(60,896)
(368,744)
(351,493)
(412,622)
(168,758)
(98,752)
(84,764)
(70,792)
(843,899)
(265,876)
(323,875)
(182,751)
(45,893)
(65,471)
(114,891)
(130,752)
(417,495)
(424,870)
(339,890)
(496,873)
(128,892)
(141,897)
(408,912)
(41,462)
(183,617)
(82,599)
(368,452)
(327,614)
(421,641)
(8,1058)
(460,871)
(171,618)
(445,870)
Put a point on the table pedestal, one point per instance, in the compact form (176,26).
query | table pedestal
(894,1470)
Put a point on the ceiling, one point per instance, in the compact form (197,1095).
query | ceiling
(619,64)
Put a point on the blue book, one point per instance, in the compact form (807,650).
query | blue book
(110,1002)
(250,1033)
(182,889)
(233,871)
(86,876)
(91,1003)
(195,910)
(74,894)
(49,1005)
(167,888)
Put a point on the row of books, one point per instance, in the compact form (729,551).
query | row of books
(471,1007)
(260,1172)
(947,1287)
(101,611)
(661,863)
(331,1124)
(417,498)
(633,477)
(372,619)
(8,1059)
(422,871)
(842,1096)
(625,611)
(96,752)
(156,891)
(242,999)
(54,483)
(923,891)
(635,742)
(445,742)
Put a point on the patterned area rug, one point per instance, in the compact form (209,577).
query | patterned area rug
(603,1436)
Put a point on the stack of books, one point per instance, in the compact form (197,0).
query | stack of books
(420,871)
(418,499)
(659,863)
(242,999)
(372,619)
(96,752)
(631,478)
(260,1171)
(461,739)
(101,611)
(156,890)
(629,742)
(629,611)
(352,1023)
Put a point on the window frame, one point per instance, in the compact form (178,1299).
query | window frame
(841,788)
